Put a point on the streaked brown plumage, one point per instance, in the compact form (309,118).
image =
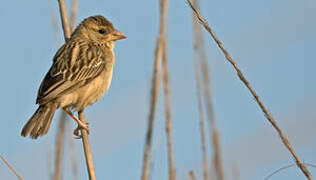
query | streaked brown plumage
(80,74)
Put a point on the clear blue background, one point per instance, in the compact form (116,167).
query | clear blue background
(272,41)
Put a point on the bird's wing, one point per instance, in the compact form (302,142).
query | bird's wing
(74,65)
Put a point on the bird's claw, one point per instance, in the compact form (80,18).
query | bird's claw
(81,125)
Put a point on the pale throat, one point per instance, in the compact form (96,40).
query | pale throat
(109,44)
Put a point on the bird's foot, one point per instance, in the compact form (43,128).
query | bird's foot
(81,125)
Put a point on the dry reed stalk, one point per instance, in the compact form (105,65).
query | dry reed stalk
(11,167)
(60,146)
(73,159)
(55,28)
(246,83)
(86,147)
(73,17)
(192,175)
(73,14)
(153,103)
(197,60)
(215,135)
(154,90)
(84,133)
(64,19)
(172,171)
(61,126)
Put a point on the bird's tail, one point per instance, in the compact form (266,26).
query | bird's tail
(39,123)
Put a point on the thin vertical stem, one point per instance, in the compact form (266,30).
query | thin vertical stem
(60,146)
(196,45)
(172,172)
(57,171)
(254,94)
(154,98)
(73,158)
(154,90)
(64,19)
(56,28)
(73,15)
(210,112)
(86,147)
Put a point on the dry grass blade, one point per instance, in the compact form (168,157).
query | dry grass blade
(215,135)
(196,43)
(73,15)
(55,28)
(11,167)
(60,146)
(288,166)
(217,156)
(154,90)
(244,80)
(172,171)
(73,159)
(64,19)
(61,126)
(153,103)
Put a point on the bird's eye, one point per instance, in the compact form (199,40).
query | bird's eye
(102,31)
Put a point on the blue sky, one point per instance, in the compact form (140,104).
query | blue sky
(273,42)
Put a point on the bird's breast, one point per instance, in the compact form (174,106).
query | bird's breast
(93,91)
(89,93)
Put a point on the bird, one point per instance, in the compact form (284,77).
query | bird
(81,72)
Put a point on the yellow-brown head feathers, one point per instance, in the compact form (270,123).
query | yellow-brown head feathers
(97,29)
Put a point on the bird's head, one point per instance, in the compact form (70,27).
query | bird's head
(97,29)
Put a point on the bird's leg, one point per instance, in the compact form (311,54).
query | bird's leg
(82,124)
(82,119)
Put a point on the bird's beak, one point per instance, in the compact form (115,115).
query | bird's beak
(115,35)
